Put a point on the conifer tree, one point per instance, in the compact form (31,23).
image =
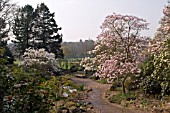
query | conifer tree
(7,10)
(46,30)
(22,28)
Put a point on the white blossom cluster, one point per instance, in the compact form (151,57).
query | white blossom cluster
(39,56)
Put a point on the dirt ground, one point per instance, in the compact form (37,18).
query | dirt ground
(97,99)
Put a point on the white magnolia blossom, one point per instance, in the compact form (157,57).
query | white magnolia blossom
(39,56)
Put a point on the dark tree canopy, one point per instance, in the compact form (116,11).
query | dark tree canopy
(37,29)
(46,31)
(7,11)
(22,28)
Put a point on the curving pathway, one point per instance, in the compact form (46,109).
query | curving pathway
(96,97)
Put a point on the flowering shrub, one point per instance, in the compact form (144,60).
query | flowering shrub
(157,69)
(21,90)
(41,60)
(32,56)
(118,47)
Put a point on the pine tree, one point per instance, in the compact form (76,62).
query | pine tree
(3,32)
(46,31)
(22,28)
(7,10)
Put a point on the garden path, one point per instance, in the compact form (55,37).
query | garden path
(96,97)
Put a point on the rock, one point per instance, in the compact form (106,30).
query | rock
(166,111)
(63,110)
(69,104)
(88,109)
(157,110)
(90,106)
(76,110)
(65,94)
(87,103)
(167,106)
(72,90)
(61,103)
(89,89)
(91,111)
(72,108)
(83,109)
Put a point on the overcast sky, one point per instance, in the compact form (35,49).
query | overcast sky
(81,19)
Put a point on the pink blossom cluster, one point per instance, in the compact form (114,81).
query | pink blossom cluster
(118,66)
(155,46)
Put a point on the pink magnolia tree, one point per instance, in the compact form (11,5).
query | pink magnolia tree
(118,47)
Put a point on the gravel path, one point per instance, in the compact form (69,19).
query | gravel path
(96,97)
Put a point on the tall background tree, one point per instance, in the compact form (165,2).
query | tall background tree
(22,28)
(37,29)
(7,11)
(45,31)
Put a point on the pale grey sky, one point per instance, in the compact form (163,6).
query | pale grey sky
(81,19)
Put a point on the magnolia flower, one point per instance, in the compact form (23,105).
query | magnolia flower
(39,56)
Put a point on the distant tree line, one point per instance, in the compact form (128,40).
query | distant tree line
(77,49)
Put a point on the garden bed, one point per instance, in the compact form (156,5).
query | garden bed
(136,100)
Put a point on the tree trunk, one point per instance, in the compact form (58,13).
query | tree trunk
(123,87)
